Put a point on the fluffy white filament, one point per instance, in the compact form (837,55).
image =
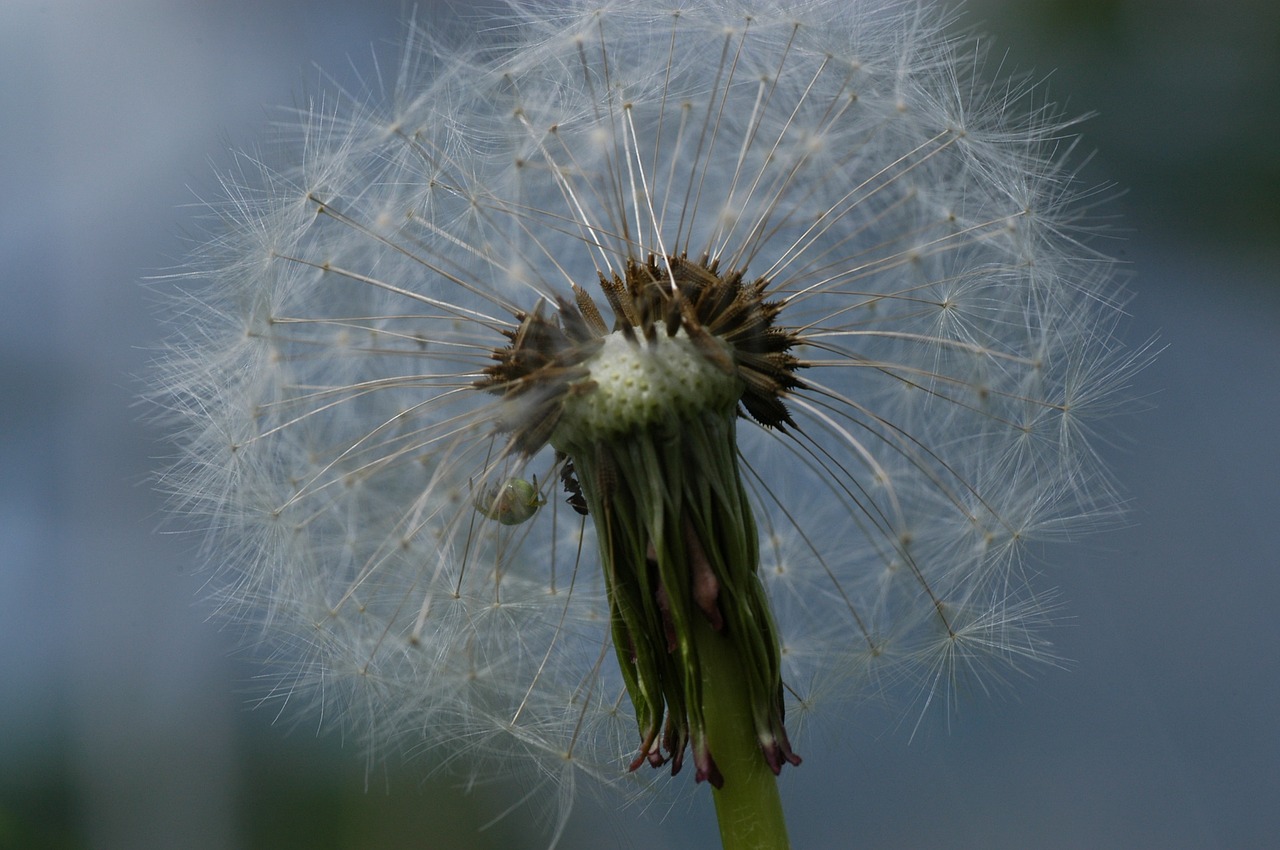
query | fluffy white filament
(918,225)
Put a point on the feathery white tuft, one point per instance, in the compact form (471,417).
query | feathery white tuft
(957,331)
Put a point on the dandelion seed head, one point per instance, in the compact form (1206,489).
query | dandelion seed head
(793,260)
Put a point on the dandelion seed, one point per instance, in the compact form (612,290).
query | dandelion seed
(795,314)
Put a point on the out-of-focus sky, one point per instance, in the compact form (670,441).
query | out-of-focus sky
(123,721)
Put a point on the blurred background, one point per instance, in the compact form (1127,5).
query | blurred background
(124,720)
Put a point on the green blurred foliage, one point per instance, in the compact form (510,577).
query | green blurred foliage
(1186,95)
(39,817)
(295,793)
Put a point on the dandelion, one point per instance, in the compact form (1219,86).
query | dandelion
(634,378)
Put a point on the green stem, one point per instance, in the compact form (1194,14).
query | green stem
(748,807)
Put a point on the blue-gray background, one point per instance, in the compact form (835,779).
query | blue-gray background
(123,721)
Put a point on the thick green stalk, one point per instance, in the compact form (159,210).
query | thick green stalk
(696,642)
(748,806)
(650,431)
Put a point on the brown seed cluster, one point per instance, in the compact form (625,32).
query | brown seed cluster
(543,364)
